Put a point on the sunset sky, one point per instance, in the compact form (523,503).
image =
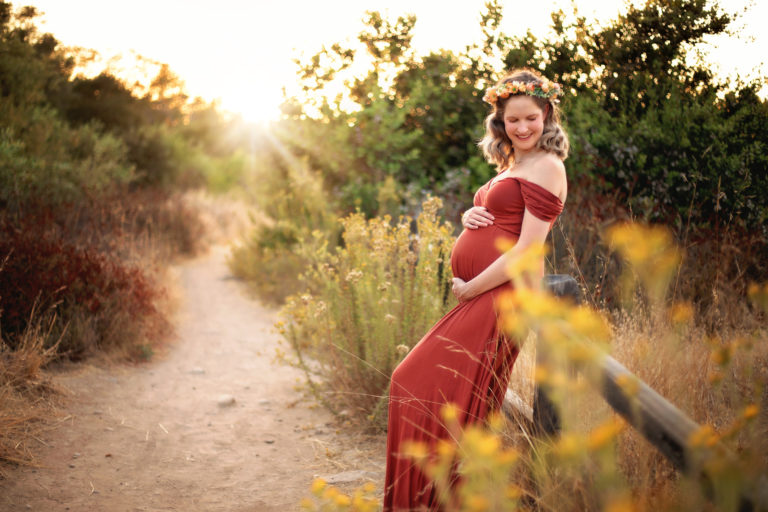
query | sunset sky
(241,52)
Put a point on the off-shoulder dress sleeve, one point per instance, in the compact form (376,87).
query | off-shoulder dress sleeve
(540,202)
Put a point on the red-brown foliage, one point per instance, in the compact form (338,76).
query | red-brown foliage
(43,271)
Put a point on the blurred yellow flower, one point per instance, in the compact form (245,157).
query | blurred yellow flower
(477,441)
(330,493)
(681,313)
(342,500)
(416,451)
(445,448)
(318,485)
(569,445)
(628,384)
(450,413)
(513,492)
(704,436)
(477,503)
(650,251)
(605,433)
(589,323)
(750,411)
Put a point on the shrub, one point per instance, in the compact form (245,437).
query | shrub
(52,163)
(295,207)
(367,303)
(100,302)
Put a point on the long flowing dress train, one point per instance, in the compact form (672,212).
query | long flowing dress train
(464,359)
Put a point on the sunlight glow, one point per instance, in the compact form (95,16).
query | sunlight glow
(241,53)
(257,104)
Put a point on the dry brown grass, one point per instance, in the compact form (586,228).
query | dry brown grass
(25,394)
(710,376)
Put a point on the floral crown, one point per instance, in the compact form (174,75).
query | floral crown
(544,89)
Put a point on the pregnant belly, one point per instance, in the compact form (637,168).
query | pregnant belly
(475,249)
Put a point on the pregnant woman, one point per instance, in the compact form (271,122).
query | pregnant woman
(465,359)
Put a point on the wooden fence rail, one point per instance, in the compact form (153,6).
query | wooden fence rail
(660,422)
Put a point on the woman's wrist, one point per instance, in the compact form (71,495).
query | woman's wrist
(469,290)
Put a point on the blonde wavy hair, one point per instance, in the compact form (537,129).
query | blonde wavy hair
(496,145)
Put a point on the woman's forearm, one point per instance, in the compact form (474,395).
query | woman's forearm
(497,274)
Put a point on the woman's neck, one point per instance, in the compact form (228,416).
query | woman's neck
(519,159)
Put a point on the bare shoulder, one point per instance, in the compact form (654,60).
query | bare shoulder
(549,173)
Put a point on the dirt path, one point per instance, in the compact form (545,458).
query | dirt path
(163,436)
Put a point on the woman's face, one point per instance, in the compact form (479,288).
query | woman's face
(523,122)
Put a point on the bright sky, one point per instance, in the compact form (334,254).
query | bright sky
(241,51)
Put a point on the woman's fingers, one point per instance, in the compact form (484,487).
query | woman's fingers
(478,217)
(483,213)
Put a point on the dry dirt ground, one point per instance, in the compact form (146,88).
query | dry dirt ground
(211,424)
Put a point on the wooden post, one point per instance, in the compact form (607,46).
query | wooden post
(546,421)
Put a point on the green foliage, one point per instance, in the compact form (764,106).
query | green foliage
(296,210)
(416,118)
(651,124)
(67,138)
(50,163)
(653,135)
(367,302)
(647,121)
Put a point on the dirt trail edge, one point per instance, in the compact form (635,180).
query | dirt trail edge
(212,425)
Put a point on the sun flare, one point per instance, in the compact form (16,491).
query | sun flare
(256,102)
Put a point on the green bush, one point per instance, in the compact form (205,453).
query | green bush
(48,163)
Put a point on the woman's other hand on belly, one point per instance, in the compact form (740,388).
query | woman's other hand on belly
(461,290)
(477,217)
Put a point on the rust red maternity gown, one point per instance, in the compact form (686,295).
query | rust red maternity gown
(463,359)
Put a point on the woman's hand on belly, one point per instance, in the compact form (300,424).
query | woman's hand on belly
(461,290)
(477,217)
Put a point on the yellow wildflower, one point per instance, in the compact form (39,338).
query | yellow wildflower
(681,313)
(415,451)
(750,411)
(477,503)
(343,500)
(604,433)
(318,485)
(628,384)
(450,412)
